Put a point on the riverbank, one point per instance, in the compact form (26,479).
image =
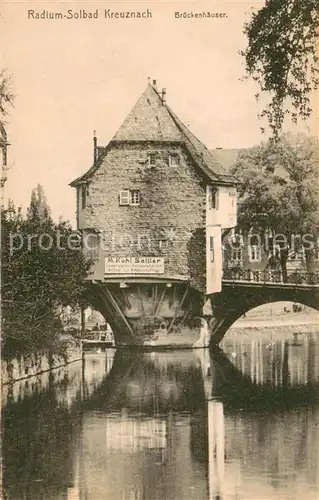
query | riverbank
(30,365)
(288,326)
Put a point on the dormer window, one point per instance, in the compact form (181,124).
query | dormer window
(213,197)
(152,159)
(173,160)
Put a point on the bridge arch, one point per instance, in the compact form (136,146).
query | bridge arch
(236,299)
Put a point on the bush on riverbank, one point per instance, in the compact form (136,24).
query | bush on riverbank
(38,280)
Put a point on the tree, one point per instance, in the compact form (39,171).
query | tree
(43,270)
(6,99)
(39,209)
(281,56)
(278,193)
(6,96)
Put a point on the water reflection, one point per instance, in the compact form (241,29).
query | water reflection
(242,424)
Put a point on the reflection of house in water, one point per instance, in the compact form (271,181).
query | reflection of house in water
(130,446)
(260,455)
(135,447)
(95,368)
(131,434)
(126,457)
(294,362)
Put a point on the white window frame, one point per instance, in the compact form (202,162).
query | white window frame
(254,253)
(237,254)
(130,197)
(170,160)
(125,197)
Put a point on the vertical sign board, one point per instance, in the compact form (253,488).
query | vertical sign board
(134,265)
(213,259)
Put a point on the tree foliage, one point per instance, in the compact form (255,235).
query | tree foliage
(41,273)
(6,96)
(279,191)
(281,56)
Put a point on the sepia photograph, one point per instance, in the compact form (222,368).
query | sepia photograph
(159,249)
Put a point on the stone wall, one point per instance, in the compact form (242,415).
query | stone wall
(26,366)
(170,220)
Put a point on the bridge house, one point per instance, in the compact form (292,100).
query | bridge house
(152,209)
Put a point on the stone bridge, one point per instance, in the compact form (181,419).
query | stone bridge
(135,309)
(246,290)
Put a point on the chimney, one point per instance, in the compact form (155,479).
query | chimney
(94,147)
(154,84)
(163,96)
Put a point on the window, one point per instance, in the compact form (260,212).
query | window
(152,159)
(134,197)
(130,197)
(274,252)
(237,254)
(84,195)
(232,197)
(213,200)
(173,160)
(254,253)
(211,248)
(91,244)
(236,237)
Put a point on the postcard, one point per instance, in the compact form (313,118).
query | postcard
(160,257)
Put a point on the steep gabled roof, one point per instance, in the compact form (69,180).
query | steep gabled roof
(205,159)
(149,120)
(152,120)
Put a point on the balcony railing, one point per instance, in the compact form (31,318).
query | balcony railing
(297,277)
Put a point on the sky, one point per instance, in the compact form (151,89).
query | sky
(73,76)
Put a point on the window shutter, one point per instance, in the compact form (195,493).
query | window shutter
(124,197)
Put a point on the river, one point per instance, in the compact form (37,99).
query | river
(240,424)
